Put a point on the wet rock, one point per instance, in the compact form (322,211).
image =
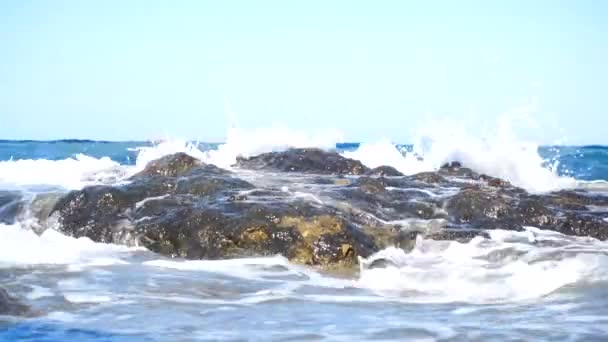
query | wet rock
(460,235)
(10,306)
(455,169)
(202,213)
(482,209)
(300,231)
(533,212)
(494,182)
(383,171)
(172,165)
(305,160)
(371,185)
(583,225)
(428,177)
(203,185)
(94,211)
(574,200)
(102,213)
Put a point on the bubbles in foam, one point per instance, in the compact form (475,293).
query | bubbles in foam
(497,152)
(71,173)
(506,268)
(19,246)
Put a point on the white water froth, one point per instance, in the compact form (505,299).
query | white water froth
(20,246)
(497,152)
(509,267)
(71,173)
(247,143)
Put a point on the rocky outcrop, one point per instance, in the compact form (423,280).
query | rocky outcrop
(180,207)
(305,160)
(204,212)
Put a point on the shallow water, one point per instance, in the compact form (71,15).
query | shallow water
(531,285)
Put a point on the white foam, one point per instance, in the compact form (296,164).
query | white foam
(71,173)
(496,152)
(39,292)
(19,246)
(247,143)
(146,154)
(77,297)
(505,268)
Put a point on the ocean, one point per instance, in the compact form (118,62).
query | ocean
(506,285)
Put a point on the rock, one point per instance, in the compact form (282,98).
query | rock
(10,306)
(460,235)
(102,213)
(482,209)
(382,171)
(179,207)
(298,230)
(455,169)
(428,177)
(171,165)
(304,160)
(582,225)
(95,211)
(371,185)
(202,213)
(494,182)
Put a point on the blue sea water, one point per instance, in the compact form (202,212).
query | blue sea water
(582,162)
(88,292)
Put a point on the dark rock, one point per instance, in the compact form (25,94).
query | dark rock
(482,209)
(102,213)
(455,169)
(494,182)
(383,171)
(533,212)
(428,177)
(460,235)
(10,306)
(203,185)
(299,231)
(371,185)
(304,160)
(583,225)
(94,211)
(574,200)
(172,165)
(203,214)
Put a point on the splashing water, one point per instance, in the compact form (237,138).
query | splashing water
(498,153)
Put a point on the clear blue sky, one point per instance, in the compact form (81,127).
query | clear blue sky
(139,69)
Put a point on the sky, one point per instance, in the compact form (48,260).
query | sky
(134,70)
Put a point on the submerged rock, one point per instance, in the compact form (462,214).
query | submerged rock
(10,306)
(305,160)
